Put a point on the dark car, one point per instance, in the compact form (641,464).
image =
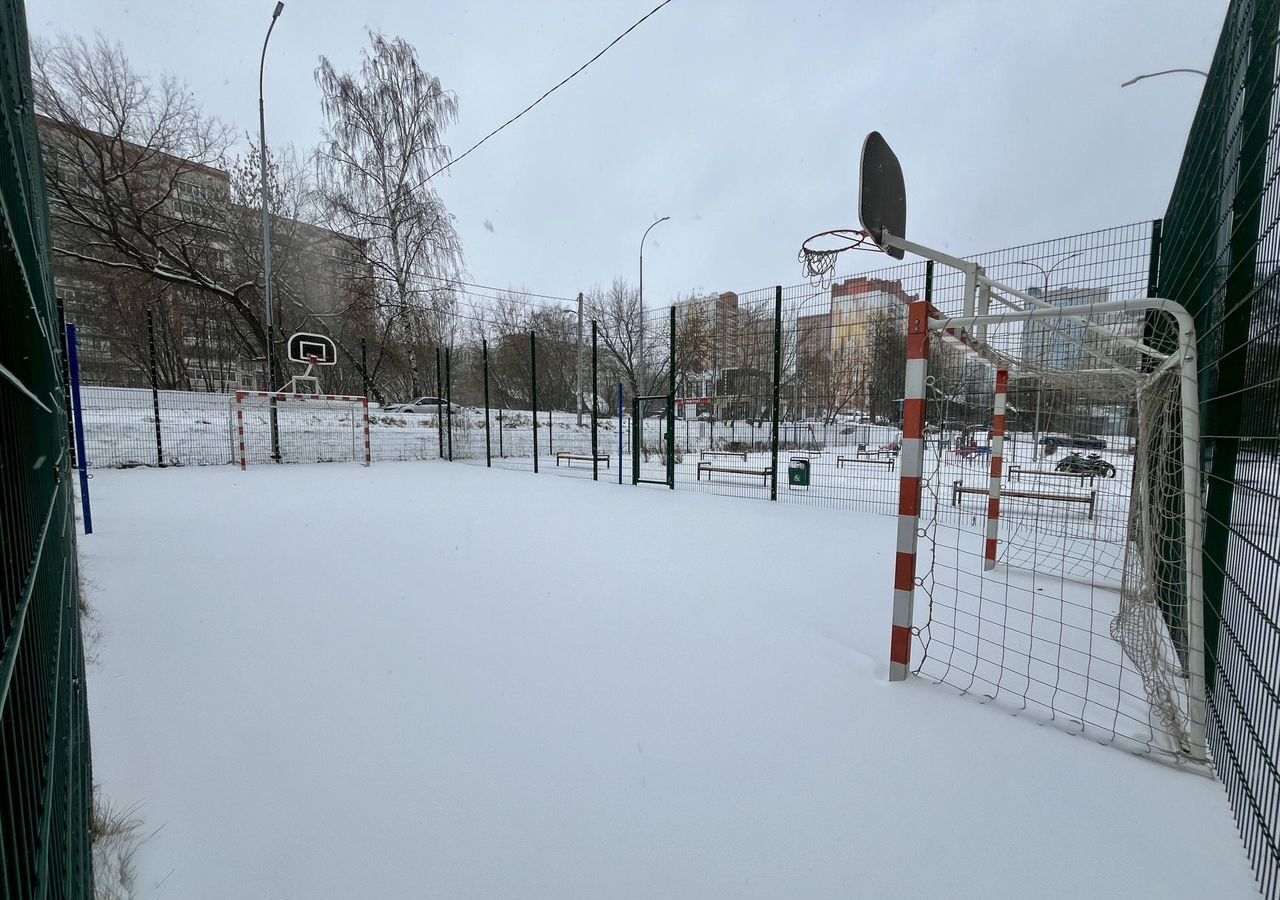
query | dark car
(1074,441)
(1085,442)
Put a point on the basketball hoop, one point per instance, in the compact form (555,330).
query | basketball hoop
(818,253)
(313,351)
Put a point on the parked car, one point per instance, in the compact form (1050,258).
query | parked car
(1073,441)
(1086,442)
(421,405)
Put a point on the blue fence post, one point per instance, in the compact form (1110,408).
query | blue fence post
(73,363)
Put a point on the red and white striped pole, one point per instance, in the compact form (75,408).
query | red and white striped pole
(240,427)
(368,452)
(997,469)
(911,461)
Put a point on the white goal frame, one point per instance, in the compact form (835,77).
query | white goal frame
(277,396)
(967,333)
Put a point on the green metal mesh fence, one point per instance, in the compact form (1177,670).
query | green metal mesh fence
(44,726)
(1220,257)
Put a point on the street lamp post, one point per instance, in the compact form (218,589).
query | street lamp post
(1048,274)
(266,234)
(642,387)
(1163,72)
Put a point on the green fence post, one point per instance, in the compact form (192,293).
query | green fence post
(273,363)
(777,380)
(439,409)
(155,383)
(448,398)
(637,438)
(364,368)
(671,409)
(484,356)
(66,379)
(1153,260)
(533,395)
(595,432)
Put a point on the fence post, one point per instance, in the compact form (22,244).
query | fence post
(551,435)
(273,363)
(448,398)
(911,467)
(413,358)
(439,408)
(777,380)
(637,439)
(73,365)
(484,357)
(533,395)
(619,432)
(501,453)
(595,403)
(671,409)
(155,383)
(66,382)
(364,368)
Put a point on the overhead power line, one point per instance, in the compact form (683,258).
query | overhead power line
(545,95)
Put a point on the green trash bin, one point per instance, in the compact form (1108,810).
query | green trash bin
(798,473)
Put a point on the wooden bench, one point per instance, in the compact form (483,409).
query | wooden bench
(958,488)
(841,460)
(710,467)
(880,452)
(1015,471)
(569,456)
(735,454)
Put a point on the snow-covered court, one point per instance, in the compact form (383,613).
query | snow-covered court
(435,680)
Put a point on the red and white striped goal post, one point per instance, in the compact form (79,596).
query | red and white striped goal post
(282,395)
(997,468)
(911,467)
(911,462)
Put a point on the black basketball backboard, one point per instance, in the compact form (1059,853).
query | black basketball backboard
(882,204)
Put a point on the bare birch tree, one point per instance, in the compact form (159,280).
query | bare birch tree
(383,140)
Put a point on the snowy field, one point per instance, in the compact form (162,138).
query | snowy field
(424,680)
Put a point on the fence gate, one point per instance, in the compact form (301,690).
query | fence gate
(663,443)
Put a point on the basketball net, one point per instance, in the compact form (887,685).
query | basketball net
(818,254)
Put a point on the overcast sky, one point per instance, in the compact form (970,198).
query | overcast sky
(742,121)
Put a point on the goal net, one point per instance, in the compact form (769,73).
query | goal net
(307,428)
(1056,534)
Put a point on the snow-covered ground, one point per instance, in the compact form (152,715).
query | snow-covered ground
(424,680)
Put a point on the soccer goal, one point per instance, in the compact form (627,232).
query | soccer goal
(307,427)
(1048,550)
(1061,574)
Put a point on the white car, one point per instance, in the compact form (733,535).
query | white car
(437,405)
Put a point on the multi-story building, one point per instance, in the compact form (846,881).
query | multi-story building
(838,362)
(712,320)
(200,344)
